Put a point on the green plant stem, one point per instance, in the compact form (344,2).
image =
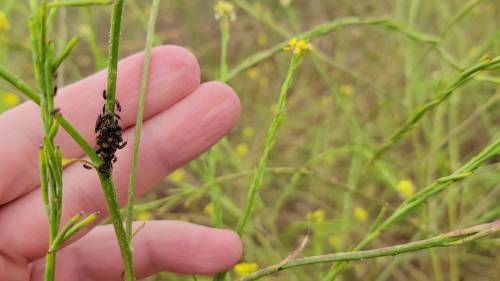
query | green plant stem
(466,9)
(50,156)
(224,27)
(263,16)
(453,238)
(270,140)
(140,114)
(77,227)
(65,52)
(106,181)
(99,59)
(114,44)
(117,221)
(413,119)
(186,192)
(214,188)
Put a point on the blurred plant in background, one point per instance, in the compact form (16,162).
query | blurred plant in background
(372,65)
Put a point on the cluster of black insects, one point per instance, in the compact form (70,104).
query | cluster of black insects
(109,138)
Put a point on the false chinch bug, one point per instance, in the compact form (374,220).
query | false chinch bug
(109,138)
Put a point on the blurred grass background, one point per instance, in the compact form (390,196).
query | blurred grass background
(351,94)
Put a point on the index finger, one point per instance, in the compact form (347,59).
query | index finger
(174,73)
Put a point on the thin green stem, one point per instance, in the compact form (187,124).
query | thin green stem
(106,180)
(99,59)
(116,218)
(263,16)
(224,27)
(65,52)
(413,119)
(453,238)
(270,140)
(114,44)
(214,188)
(140,114)
(77,227)
(50,156)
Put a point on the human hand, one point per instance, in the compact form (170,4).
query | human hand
(182,119)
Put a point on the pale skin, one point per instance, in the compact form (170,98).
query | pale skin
(183,118)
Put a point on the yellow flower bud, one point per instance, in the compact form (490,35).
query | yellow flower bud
(298,47)
(144,216)
(360,213)
(245,268)
(4,22)
(10,99)
(209,209)
(224,9)
(177,176)
(241,149)
(405,188)
(347,90)
(316,216)
(248,132)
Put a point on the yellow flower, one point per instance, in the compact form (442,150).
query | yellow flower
(242,149)
(245,268)
(10,99)
(4,22)
(224,9)
(298,47)
(346,90)
(261,39)
(248,132)
(316,216)
(144,216)
(360,213)
(285,3)
(66,162)
(253,72)
(209,209)
(177,176)
(405,188)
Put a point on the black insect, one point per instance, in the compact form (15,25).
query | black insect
(118,106)
(121,146)
(109,139)
(87,166)
(117,103)
(55,90)
(55,111)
